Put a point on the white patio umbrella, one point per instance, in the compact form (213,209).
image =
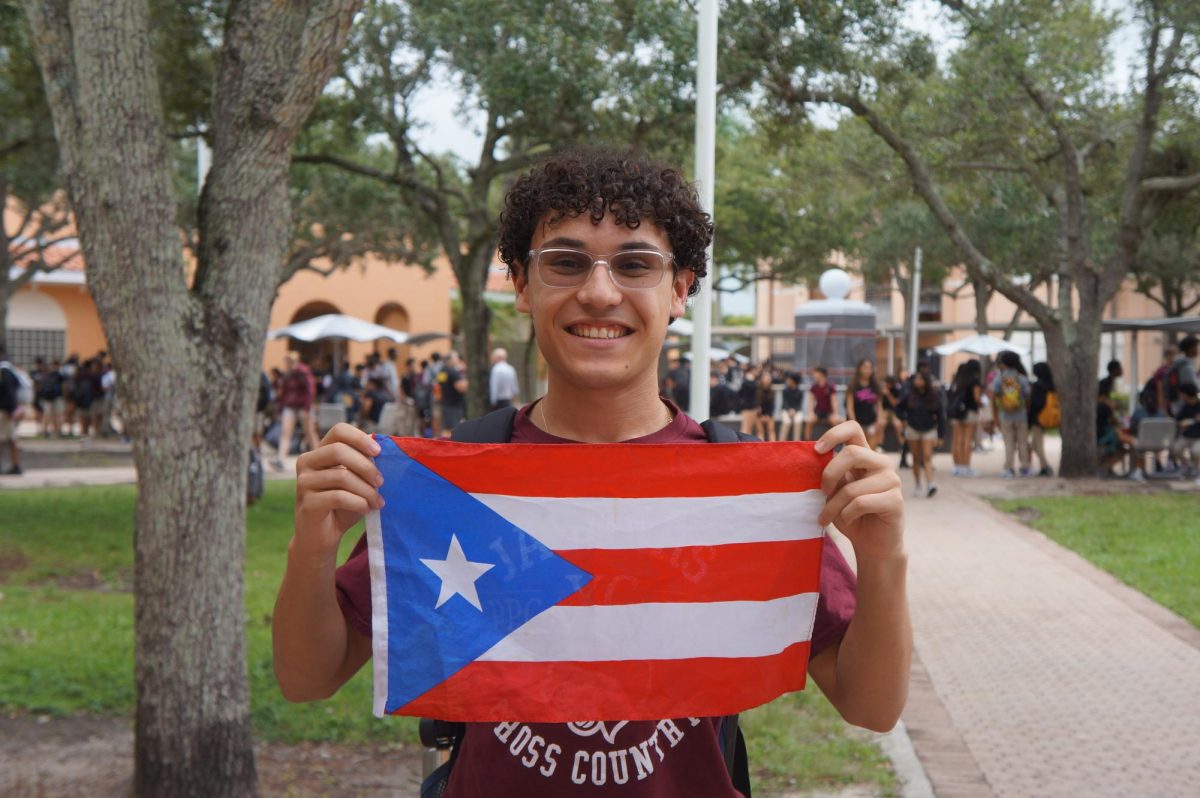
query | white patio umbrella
(981,345)
(337,326)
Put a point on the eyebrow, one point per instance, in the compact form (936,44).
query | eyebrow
(575,243)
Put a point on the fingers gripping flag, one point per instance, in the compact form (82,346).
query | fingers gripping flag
(554,583)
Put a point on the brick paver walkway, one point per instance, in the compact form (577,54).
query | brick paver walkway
(1056,682)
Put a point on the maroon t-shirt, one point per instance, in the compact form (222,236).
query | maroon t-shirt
(822,398)
(638,759)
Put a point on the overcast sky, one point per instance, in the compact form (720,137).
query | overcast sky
(445,129)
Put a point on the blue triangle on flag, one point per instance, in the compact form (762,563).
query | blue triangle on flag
(428,644)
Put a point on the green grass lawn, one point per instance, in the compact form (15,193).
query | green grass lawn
(1149,541)
(66,640)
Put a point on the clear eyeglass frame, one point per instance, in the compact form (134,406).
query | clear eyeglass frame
(624,278)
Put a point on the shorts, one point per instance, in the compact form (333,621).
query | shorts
(452,416)
(916,435)
(972,417)
(293,412)
(8,428)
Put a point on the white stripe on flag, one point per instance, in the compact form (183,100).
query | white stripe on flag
(562,524)
(659,631)
(379,612)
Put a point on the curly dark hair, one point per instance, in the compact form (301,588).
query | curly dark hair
(628,185)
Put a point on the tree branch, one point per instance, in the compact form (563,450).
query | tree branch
(1171,184)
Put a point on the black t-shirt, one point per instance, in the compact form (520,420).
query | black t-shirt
(793,398)
(721,400)
(1189,412)
(450,395)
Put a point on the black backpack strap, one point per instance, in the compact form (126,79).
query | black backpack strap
(716,432)
(495,427)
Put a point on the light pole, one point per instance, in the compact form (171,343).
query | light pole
(706,127)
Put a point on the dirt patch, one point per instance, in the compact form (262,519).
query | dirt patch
(1027,515)
(12,560)
(42,757)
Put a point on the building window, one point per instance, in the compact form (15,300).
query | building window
(25,345)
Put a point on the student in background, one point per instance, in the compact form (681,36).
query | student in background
(925,428)
(793,402)
(822,391)
(1044,414)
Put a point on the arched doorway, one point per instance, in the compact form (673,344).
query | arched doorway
(393,315)
(36,327)
(317,354)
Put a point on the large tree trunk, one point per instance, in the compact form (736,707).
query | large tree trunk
(476,319)
(1075,365)
(187,357)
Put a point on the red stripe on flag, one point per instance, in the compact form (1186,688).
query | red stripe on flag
(689,574)
(561,692)
(621,470)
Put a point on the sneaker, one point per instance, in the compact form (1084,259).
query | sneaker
(932,492)
(903,464)
(277,464)
(1046,471)
(969,472)
(15,471)
(917,492)
(1024,472)
(1137,476)
(1007,473)
(956,471)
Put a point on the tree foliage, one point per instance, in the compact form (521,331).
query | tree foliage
(538,77)
(1021,115)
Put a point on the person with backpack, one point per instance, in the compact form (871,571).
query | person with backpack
(966,389)
(1182,372)
(16,391)
(1044,414)
(601,323)
(1010,397)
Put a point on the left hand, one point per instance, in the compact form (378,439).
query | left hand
(863,496)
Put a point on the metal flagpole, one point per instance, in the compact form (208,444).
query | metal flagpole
(706,127)
(913,313)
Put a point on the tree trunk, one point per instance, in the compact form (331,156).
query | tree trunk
(1075,366)
(187,357)
(476,319)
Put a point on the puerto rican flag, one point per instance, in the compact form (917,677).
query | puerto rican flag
(554,583)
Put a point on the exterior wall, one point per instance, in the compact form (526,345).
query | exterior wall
(373,291)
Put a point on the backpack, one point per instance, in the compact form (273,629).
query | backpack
(1010,399)
(1148,397)
(1171,383)
(16,389)
(957,404)
(1051,414)
(497,427)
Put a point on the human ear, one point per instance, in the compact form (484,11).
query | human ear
(520,278)
(680,285)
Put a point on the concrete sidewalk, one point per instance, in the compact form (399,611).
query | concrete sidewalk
(1038,674)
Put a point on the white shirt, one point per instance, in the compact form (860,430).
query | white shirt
(502,383)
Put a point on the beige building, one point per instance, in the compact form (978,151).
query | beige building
(947,312)
(54,316)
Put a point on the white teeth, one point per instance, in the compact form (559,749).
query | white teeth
(598,332)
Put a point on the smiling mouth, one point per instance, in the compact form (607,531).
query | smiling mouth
(591,331)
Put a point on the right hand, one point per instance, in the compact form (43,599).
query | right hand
(336,485)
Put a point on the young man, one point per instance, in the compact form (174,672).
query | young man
(604,250)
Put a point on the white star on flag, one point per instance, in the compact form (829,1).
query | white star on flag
(458,575)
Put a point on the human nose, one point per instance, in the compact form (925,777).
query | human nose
(599,289)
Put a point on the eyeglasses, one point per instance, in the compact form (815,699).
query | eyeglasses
(633,269)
